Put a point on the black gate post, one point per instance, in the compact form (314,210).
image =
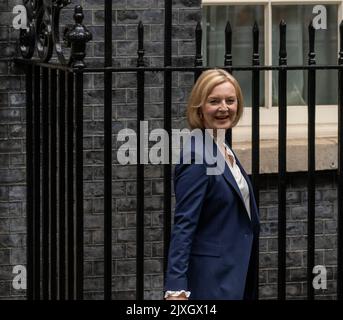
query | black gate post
(30,184)
(282,164)
(340,172)
(255,120)
(311,165)
(167,126)
(108,154)
(37,184)
(228,63)
(79,181)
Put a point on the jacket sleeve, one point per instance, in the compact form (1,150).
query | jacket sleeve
(190,184)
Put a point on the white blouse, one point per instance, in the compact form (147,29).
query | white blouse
(241,182)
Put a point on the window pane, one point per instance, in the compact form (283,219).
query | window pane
(241,19)
(297,18)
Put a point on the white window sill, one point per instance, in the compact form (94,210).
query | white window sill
(326,155)
(326,138)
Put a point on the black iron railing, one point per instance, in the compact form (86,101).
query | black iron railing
(282,147)
(42,78)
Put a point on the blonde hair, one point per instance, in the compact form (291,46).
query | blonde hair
(203,88)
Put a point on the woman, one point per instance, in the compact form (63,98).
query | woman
(213,249)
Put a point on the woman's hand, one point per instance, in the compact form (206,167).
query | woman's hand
(181,296)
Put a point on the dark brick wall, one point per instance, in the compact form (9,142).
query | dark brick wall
(126,15)
(12,157)
(296,231)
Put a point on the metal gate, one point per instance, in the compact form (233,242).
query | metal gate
(55,246)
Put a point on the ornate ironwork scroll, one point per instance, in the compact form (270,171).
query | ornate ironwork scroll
(43,33)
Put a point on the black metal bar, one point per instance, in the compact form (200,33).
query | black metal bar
(228,64)
(108,33)
(45,181)
(38,63)
(228,46)
(37,181)
(53,186)
(255,114)
(234,68)
(29,185)
(282,165)
(162,69)
(62,181)
(70,187)
(340,171)
(108,154)
(79,181)
(167,125)
(140,51)
(311,165)
(255,150)
(198,62)
(108,186)
(140,170)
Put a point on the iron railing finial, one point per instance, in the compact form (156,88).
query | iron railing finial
(78,36)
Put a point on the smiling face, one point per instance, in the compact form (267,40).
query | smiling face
(220,108)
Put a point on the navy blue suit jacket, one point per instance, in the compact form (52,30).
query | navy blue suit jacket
(213,249)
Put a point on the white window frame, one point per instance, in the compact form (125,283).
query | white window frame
(326,115)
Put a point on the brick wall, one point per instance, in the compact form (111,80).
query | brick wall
(126,15)
(12,157)
(296,230)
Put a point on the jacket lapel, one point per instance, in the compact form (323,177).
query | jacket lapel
(231,180)
(229,177)
(253,206)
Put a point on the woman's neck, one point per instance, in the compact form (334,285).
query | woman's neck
(218,135)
